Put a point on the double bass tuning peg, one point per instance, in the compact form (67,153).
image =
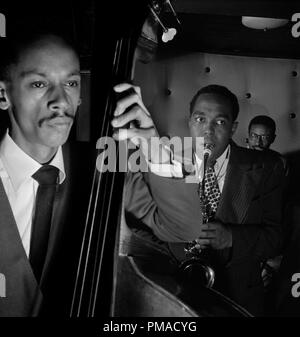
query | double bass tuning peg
(168,33)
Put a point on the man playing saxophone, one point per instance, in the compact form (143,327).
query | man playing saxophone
(240,226)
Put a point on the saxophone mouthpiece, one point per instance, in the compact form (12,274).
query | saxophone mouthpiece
(208,150)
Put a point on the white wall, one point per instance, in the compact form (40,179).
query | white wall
(274,91)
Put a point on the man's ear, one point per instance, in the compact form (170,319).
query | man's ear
(4,100)
(234,127)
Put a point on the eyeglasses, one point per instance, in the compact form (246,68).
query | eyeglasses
(255,136)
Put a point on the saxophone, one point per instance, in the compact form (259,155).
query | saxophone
(195,265)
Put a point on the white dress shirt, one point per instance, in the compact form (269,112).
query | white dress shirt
(174,170)
(16,170)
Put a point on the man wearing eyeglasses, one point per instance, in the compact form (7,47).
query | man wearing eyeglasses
(261,133)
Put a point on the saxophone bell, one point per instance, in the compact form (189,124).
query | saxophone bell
(198,271)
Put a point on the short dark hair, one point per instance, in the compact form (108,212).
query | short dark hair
(263,120)
(12,49)
(220,91)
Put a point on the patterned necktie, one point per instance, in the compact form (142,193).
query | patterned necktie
(211,197)
(47,177)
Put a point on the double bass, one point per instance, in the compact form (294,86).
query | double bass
(108,281)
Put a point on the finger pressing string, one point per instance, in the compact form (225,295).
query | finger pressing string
(135,114)
(126,92)
(125,86)
(123,134)
(124,103)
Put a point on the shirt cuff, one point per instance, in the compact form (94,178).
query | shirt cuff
(173,170)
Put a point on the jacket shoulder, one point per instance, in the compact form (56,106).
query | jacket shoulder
(265,158)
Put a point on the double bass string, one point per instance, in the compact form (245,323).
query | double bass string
(99,267)
(81,257)
(101,243)
(104,186)
(94,298)
(89,225)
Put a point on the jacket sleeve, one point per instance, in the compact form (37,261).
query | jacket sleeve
(166,205)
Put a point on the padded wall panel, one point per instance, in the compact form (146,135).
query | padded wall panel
(273,84)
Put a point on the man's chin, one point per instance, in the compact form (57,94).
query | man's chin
(57,139)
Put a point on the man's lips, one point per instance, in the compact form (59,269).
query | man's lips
(60,121)
(57,121)
(209,142)
(258,148)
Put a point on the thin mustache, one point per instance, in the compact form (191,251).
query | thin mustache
(55,115)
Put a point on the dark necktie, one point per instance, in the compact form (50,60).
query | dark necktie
(211,197)
(46,176)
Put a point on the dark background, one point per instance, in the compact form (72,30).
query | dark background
(215,26)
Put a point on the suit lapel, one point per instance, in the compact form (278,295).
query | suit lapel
(241,181)
(23,296)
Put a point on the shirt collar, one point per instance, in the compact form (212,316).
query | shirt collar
(219,161)
(220,165)
(222,158)
(20,166)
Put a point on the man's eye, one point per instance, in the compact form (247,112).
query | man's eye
(200,119)
(220,122)
(73,83)
(38,84)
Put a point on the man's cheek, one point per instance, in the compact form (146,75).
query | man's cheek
(196,131)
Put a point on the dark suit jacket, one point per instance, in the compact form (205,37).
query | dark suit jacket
(250,204)
(285,293)
(24,297)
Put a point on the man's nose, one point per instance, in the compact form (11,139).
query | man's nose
(260,142)
(58,100)
(209,129)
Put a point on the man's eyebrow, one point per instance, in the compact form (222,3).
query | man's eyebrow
(223,116)
(197,112)
(26,73)
(201,113)
(34,72)
(74,73)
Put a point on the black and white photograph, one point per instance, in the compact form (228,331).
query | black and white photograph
(149,162)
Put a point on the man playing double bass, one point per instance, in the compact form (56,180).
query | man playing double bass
(43,180)
(243,188)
